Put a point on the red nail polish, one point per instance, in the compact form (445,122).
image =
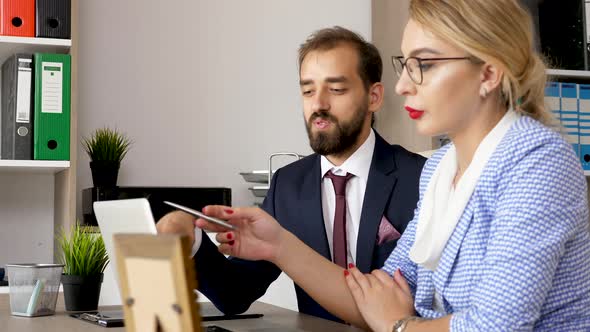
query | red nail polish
(228,211)
(229,236)
(231,243)
(350,265)
(346,273)
(400,272)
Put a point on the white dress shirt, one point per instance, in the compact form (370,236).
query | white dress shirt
(357,164)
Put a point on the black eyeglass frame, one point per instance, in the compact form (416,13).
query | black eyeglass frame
(403,63)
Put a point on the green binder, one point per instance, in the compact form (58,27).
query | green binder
(51,125)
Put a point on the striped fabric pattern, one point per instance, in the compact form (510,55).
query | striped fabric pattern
(519,258)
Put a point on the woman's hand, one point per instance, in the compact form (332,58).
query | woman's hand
(380,298)
(258,237)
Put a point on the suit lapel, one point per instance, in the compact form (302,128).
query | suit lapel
(311,211)
(447,260)
(382,179)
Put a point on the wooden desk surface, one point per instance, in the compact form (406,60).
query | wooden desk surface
(274,317)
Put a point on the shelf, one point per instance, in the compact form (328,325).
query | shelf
(35,41)
(569,73)
(10,45)
(33,166)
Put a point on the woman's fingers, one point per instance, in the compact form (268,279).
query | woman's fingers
(354,287)
(362,280)
(383,277)
(234,216)
(217,211)
(208,226)
(226,249)
(227,237)
(400,280)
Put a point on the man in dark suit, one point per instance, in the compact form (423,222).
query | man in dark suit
(340,76)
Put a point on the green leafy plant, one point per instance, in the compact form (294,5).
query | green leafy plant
(106,144)
(83,252)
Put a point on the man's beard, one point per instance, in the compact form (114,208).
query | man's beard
(343,137)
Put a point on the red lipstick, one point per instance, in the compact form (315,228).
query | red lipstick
(414,113)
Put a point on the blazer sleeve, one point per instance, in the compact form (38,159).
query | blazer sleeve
(536,237)
(233,284)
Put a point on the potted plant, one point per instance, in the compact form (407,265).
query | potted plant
(84,256)
(106,148)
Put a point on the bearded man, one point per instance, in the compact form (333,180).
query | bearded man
(349,201)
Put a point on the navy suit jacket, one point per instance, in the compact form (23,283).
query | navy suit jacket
(294,199)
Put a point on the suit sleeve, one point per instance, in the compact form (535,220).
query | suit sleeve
(233,284)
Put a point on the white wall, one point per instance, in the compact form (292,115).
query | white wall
(206,89)
(26,219)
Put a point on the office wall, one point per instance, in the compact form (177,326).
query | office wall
(206,89)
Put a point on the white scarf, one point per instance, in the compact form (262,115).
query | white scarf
(439,214)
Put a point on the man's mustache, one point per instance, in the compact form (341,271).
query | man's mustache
(323,116)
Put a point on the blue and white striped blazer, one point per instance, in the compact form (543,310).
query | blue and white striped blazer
(519,257)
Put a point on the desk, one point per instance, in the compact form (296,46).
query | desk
(274,317)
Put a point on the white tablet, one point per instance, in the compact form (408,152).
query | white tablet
(123,216)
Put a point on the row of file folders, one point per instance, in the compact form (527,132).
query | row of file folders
(570,104)
(36,18)
(35,119)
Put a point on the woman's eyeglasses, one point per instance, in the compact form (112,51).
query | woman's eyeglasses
(414,66)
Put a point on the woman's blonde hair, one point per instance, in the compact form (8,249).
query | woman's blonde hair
(496,31)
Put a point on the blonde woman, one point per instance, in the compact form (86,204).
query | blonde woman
(499,240)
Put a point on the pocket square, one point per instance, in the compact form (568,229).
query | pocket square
(386,232)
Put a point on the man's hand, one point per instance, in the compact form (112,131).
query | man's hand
(178,222)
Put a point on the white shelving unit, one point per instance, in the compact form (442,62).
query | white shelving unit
(38,197)
(33,166)
(10,45)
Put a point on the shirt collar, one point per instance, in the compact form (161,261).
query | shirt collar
(358,163)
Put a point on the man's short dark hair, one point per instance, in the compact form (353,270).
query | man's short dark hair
(370,66)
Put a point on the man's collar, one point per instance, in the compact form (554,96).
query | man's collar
(358,163)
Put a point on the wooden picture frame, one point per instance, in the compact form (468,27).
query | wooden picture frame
(157,280)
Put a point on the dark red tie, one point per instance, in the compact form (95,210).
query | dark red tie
(339,239)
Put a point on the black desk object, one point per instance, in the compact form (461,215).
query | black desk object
(193,197)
